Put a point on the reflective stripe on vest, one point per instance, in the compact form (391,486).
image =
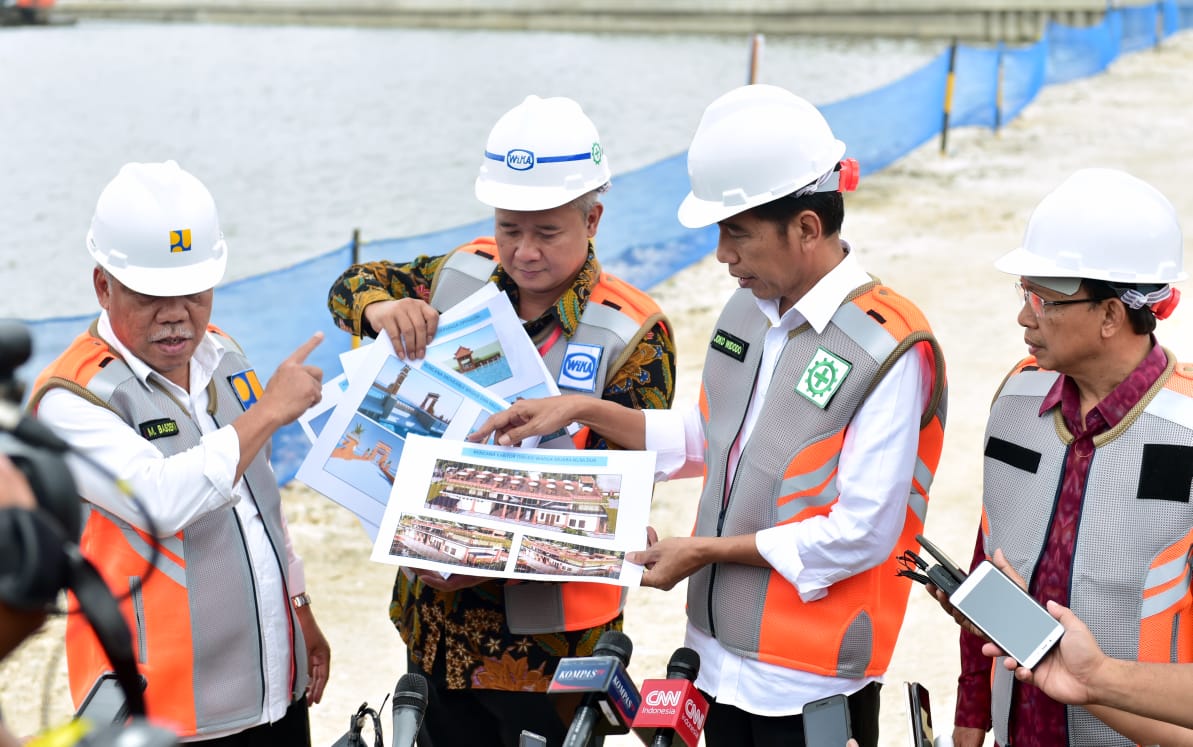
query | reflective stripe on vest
(544,607)
(200,598)
(1130,576)
(787,471)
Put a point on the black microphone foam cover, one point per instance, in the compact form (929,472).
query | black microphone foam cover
(614,643)
(684,664)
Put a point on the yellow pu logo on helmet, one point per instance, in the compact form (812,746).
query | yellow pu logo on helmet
(180,240)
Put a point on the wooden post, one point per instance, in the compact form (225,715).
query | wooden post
(998,92)
(948,98)
(756,44)
(1159,23)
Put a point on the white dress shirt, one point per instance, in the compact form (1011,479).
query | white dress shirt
(874,476)
(181,489)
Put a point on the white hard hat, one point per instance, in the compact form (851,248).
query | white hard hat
(755,144)
(541,154)
(1101,224)
(156,230)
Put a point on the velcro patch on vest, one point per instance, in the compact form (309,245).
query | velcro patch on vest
(1015,455)
(823,377)
(580,365)
(159,428)
(247,387)
(730,345)
(1165,473)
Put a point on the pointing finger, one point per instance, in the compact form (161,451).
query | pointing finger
(300,355)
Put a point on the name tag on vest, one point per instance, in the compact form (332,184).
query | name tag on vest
(247,387)
(730,345)
(161,428)
(580,364)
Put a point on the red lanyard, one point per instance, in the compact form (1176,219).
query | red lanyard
(550,341)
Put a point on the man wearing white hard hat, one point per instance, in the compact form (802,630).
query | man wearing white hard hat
(818,431)
(489,648)
(1089,450)
(223,629)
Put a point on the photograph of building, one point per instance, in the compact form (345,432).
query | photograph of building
(446,541)
(403,400)
(477,355)
(538,555)
(580,504)
(367,457)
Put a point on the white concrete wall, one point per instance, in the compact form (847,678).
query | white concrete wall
(974,20)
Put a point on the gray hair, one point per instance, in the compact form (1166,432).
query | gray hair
(585,202)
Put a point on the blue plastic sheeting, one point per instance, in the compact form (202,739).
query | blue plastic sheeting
(1171,17)
(640,238)
(975,103)
(1023,74)
(1140,28)
(1184,13)
(1080,52)
(883,125)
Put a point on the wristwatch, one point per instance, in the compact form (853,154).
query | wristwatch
(301,600)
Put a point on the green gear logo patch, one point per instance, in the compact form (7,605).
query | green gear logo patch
(597,153)
(823,377)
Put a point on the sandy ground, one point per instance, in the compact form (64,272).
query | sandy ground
(930,226)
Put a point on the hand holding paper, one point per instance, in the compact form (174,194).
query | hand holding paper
(410,323)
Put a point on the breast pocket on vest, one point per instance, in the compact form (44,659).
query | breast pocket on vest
(1165,472)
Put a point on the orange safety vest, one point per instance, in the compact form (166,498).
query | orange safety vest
(193,620)
(787,473)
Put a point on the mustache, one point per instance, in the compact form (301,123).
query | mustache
(172,331)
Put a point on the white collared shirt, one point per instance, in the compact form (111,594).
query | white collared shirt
(181,489)
(874,475)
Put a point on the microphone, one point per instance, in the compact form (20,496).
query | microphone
(410,703)
(16,345)
(605,685)
(673,707)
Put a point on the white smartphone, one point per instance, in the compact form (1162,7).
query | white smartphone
(1007,614)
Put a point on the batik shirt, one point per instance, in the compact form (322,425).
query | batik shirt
(461,637)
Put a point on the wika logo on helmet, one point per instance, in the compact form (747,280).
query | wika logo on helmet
(180,240)
(519,159)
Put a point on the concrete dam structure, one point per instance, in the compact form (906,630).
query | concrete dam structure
(971,20)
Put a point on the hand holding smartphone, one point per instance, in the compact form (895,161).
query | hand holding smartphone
(1006,614)
(946,575)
